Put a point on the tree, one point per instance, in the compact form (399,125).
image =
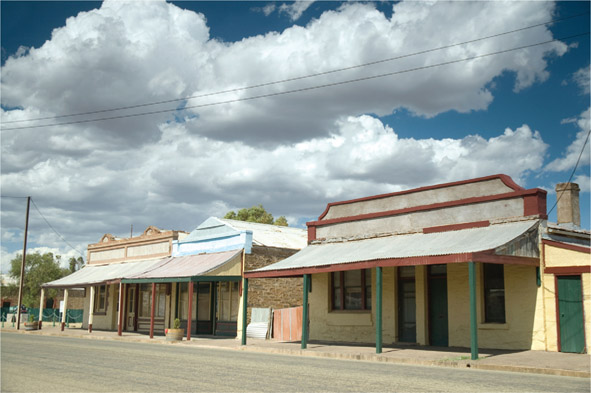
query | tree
(256,214)
(281,221)
(39,269)
(76,264)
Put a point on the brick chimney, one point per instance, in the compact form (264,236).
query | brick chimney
(568,206)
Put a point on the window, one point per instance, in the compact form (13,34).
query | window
(145,301)
(351,290)
(494,293)
(100,299)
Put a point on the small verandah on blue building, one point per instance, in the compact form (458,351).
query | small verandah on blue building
(443,288)
(202,290)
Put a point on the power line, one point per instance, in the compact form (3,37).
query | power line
(299,77)
(300,89)
(15,197)
(56,232)
(572,173)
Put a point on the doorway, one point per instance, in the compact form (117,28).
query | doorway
(407,314)
(570,314)
(437,298)
(131,307)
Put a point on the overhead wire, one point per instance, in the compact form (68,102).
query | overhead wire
(299,89)
(294,78)
(56,232)
(572,173)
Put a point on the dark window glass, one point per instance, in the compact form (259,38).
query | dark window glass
(494,293)
(351,290)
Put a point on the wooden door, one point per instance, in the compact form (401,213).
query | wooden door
(407,308)
(438,319)
(131,311)
(570,313)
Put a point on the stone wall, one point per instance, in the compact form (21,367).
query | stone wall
(271,292)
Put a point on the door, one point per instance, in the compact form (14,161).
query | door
(407,315)
(570,313)
(438,321)
(130,323)
(204,308)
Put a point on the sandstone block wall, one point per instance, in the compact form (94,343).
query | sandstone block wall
(271,292)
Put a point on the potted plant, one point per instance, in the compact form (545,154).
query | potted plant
(176,333)
(32,324)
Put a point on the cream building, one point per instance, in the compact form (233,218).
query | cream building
(456,264)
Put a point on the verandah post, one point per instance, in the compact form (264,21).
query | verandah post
(378,309)
(41,308)
(91,310)
(190,313)
(305,312)
(120,313)
(65,309)
(244,307)
(473,325)
(152,311)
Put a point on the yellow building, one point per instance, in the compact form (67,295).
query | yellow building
(455,264)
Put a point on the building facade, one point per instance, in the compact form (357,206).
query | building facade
(457,264)
(142,284)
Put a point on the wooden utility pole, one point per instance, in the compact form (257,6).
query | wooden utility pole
(20,288)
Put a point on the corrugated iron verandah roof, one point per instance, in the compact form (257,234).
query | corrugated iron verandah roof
(187,268)
(102,274)
(467,245)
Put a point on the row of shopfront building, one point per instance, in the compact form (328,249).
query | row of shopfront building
(472,264)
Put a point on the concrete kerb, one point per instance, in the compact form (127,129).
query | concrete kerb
(262,346)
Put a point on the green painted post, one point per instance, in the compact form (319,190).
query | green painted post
(305,312)
(53,317)
(244,308)
(473,325)
(378,309)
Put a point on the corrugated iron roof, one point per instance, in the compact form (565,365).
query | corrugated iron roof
(262,234)
(272,235)
(98,274)
(187,266)
(405,246)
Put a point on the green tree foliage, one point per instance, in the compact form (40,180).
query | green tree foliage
(76,264)
(256,214)
(281,221)
(39,269)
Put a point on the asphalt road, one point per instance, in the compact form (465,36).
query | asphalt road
(61,364)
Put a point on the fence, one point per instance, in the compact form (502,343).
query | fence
(49,315)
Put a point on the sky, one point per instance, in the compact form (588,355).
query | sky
(292,105)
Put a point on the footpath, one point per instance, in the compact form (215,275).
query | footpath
(537,362)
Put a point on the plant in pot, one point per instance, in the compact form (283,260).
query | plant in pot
(176,333)
(31,324)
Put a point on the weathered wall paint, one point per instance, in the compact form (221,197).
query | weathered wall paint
(523,320)
(560,257)
(352,326)
(424,219)
(439,195)
(107,321)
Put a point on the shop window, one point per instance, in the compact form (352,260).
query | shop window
(146,301)
(100,299)
(229,301)
(494,293)
(351,290)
